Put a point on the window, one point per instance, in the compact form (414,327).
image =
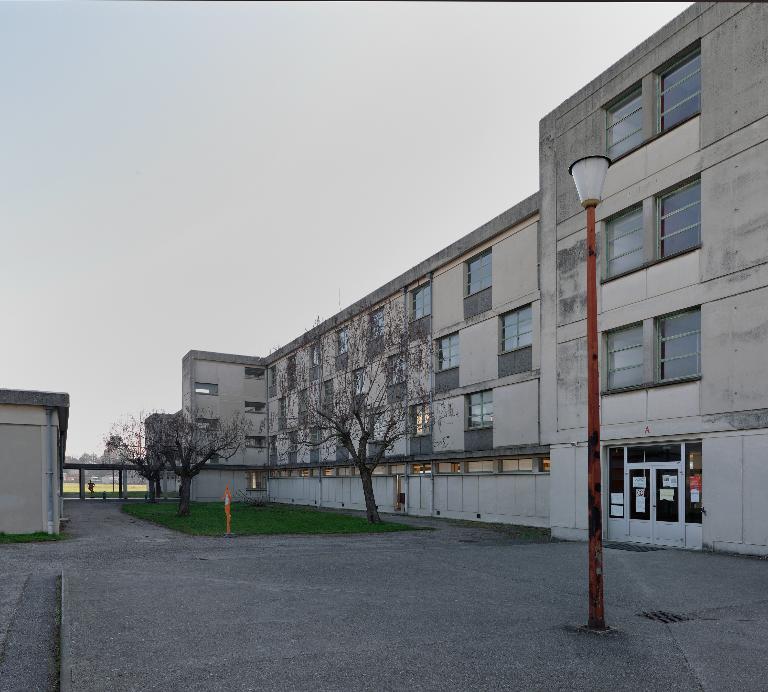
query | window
(625,357)
(420,419)
(516,329)
(624,124)
(616,482)
(449,467)
(679,338)
(680,91)
(381,470)
(255,442)
(359,381)
(377,323)
(281,413)
(207,423)
(342,341)
(206,388)
(693,487)
(254,373)
(485,466)
(328,394)
(480,409)
(679,219)
(290,371)
(256,480)
(479,273)
(314,362)
(624,242)
(544,465)
(328,471)
(254,406)
(448,352)
(420,469)
(303,406)
(273,446)
(421,301)
(395,369)
(273,380)
(508,465)
(314,437)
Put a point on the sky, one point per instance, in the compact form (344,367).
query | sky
(216,176)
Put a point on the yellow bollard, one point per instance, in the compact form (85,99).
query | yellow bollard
(228,508)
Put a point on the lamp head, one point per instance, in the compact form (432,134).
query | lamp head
(589,176)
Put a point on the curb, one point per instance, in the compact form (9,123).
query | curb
(65,670)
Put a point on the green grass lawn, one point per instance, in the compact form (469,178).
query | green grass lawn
(207,519)
(36,537)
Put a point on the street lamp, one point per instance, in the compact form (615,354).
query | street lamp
(589,175)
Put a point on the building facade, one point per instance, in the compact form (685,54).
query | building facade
(683,319)
(33,440)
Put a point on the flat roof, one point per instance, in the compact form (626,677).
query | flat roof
(30,397)
(224,358)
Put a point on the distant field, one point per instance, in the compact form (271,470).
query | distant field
(103,488)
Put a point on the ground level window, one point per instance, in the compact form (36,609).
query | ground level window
(517,465)
(381,470)
(485,466)
(418,469)
(616,482)
(256,480)
(693,485)
(449,467)
(329,472)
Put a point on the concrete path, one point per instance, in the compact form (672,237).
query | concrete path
(456,608)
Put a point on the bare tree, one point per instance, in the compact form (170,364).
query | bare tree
(190,439)
(361,388)
(127,445)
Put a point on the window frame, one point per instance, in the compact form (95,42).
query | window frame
(252,406)
(634,209)
(502,322)
(342,339)
(423,428)
(609,352)
(658,200)
(212,386)
(659,361)
(622,100)
(453,356)
(468,291)
(423,292)
(660,74)
(252,372)
(483,424)
(377,323)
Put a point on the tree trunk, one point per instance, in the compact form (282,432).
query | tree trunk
(371,513)
(151,487)
(158,489)
(184,486)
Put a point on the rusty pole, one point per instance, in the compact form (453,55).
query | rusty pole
(594,470)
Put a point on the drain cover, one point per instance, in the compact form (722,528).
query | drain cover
(634,547)
(664,616)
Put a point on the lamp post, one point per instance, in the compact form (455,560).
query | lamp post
(589,175)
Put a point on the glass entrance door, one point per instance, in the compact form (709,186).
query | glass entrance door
(667,520)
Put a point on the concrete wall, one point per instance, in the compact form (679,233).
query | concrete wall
(24,469)
(505,498)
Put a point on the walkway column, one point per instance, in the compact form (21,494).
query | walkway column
(120,483)
(81,480)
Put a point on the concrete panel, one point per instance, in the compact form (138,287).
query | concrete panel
(515,263)
(734,73)
(454,493)
(572,384)
(23,486)
(734,337)
(478,353)
(448,431)
(478,303)
(755,461)
(516,414)
(673,274)
(505,495)
(525,495)
(624,291)
(571,279)
(628,407)
(674,401)
(447,298)
(722,490)
(469,494)
(542,495)
(734,214)
(486,491)
(562,482)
